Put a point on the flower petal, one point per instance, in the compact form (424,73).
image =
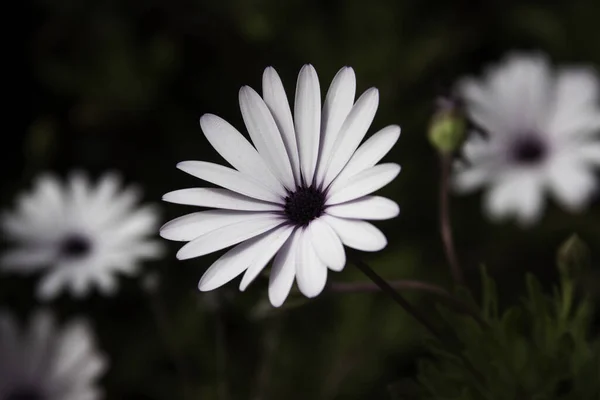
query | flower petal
(238,151)
(194,225)
(265,135)
(327,245)
(352,133)
(357,234)
(572,184)
(276,99)
(311,272)
(363,183)
(25,260)
(278,238)
(230,179)
(371,152)
(228,236)
(218,198)
(519,193)
(307,113)
(575,111)
(368,207)
(235,261)
(338,103)
(283,271)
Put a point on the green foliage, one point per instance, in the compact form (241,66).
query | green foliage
(539,349)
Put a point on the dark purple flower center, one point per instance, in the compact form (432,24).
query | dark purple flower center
(529,149)
(75,246)
(304,205)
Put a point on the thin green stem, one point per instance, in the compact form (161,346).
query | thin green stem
(397,297)
(409,284)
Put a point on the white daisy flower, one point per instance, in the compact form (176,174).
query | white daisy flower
(80,235)
(540,133)
(299,194)
(46,363)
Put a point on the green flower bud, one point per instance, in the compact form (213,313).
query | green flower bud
(573,257)
(447,127)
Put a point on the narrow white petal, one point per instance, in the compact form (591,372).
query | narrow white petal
(51,285)
(468,178)
(106,190)
(519,193)
(311,272)
(238,151)
(137,224)
(50,192)
(235,261)
(265,135)
(227,236)
(276,99)
(218,198)
(26,260)
(575,110)
(363,183)
(572,184)
(230,179)
(371,152)
(368,207)
(80,189)
(278,238)
(338,103)
(191,226)
(283,271)
(590,153)
(327,245)
(357,234)
(307,113)
(352,133)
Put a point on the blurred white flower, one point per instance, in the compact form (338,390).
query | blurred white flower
(299,194)
(539,132)
(80,235)
(47,363)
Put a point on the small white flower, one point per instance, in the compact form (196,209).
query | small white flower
(80,235)
(46,363)
(299,194)
(539,132)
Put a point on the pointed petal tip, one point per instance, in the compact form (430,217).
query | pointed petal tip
(203,286)
(182,254)
(307,68)
(206,118)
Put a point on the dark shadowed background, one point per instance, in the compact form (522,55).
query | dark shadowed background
(121,84)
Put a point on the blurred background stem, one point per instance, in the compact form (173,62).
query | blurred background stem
(445,222)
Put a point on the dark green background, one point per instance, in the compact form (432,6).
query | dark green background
(121,84)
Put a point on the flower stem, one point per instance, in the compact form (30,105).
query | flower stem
(387,288)
(397,297)
(445,224)
(450,300)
